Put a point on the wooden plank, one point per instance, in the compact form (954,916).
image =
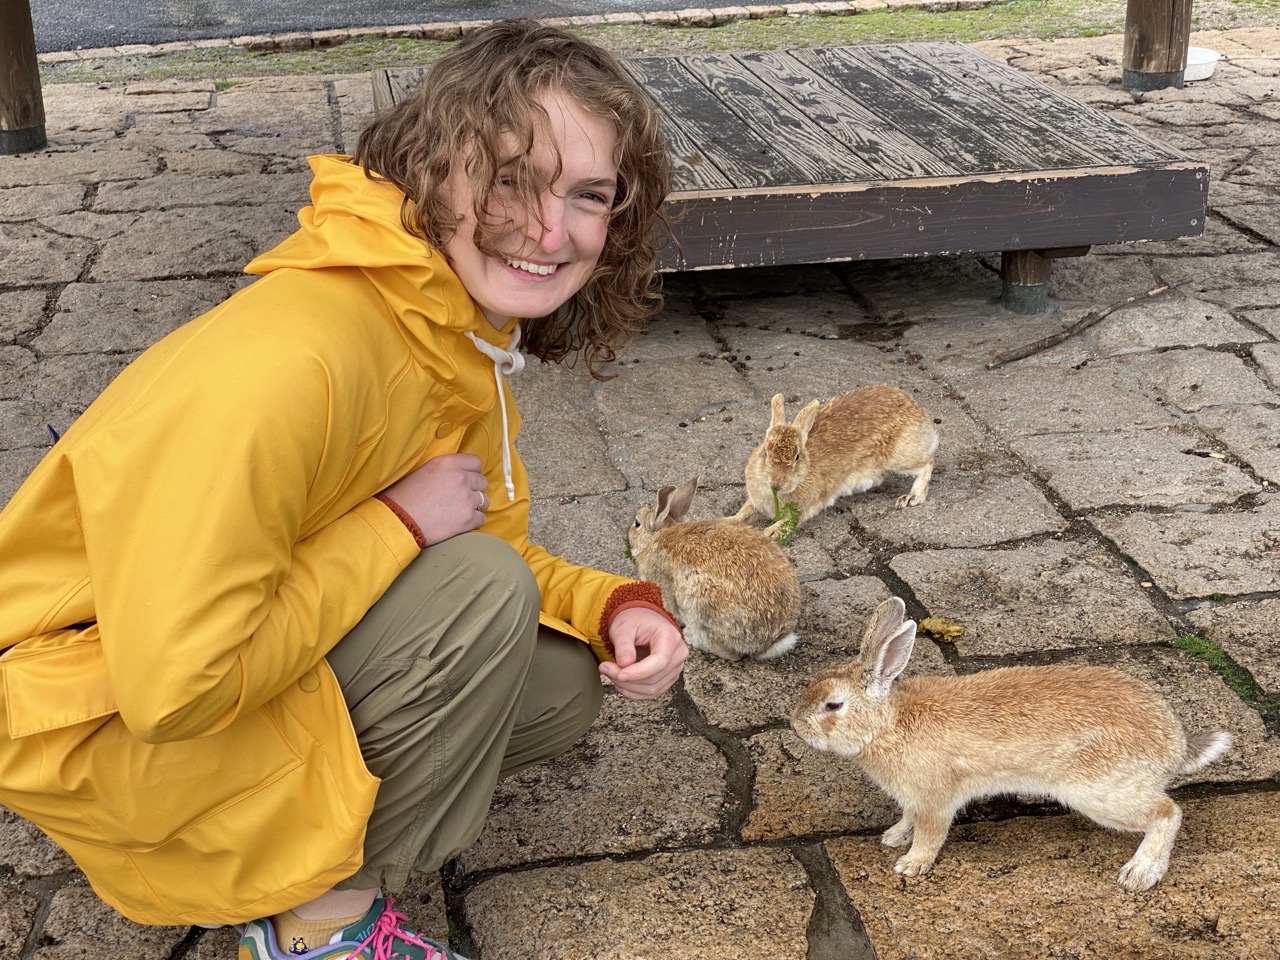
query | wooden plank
(889,153)
(1034,143)
(1107,139)
(741,155)
(771,115)
(908,111)
(945,216)
(21,101)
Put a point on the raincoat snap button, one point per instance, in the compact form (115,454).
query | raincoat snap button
(309,683)
(444,430)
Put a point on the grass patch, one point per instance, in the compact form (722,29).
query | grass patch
(1010,19)
(788,511)
(1235,676)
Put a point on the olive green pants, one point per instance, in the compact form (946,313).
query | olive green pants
(452,685)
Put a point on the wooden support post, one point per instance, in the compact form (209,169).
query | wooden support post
(1025,277)
(21,105)
(1156,35)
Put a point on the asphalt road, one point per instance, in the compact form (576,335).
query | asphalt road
(82,24)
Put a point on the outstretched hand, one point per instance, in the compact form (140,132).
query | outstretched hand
(445,496)
(649,653)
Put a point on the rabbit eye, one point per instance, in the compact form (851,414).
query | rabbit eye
(637,523)
(831,706)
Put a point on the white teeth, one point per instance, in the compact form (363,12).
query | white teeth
(541,269)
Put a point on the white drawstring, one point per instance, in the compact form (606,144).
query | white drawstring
(504,362)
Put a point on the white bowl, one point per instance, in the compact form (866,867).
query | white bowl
(1200,64)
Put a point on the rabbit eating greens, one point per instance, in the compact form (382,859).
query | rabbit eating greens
(730,585)
(846,445)
(1093,738)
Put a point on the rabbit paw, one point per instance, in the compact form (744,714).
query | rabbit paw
(1141,873)
(899,835)
(909,500)
(910,865)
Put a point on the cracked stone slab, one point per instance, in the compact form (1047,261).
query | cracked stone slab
(20,314)
(552,391)
(636,781)
(752,693)
(1055,595)
(81,926)
(14,467)
(17,913)
(659,393)
(677,333)
(25,423)
(1236,280)
(17,371)
(701,904)
(1195,379)
(566,457)
(1268,318)
(125,317)
(1144,468)
(32,255)
(76,380)
(1099,279)
(823,315)
(43,200)
(585,530)
(1246,631)
(28,852)
(1249,433)
(170,190)
(1267,356)
(1036,887)
(1198,554)
(92,226)
(712,445)
(87,165)
(963,510)
(195,241)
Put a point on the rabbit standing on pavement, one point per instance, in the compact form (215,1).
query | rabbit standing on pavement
(732,587)
(1093,738)
(846,445)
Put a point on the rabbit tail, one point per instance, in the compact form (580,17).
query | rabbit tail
(781,646)
(1203,749)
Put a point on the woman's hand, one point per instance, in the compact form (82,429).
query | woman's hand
(445,496)
(648,651)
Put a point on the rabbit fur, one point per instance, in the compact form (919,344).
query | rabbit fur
(1093,738)
(847,445)
(730,585)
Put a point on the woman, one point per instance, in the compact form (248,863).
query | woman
(273,627)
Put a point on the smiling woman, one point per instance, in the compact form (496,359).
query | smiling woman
(294,548)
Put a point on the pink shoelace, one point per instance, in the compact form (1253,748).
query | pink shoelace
(386,930)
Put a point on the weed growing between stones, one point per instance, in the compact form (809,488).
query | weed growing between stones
(1236,677)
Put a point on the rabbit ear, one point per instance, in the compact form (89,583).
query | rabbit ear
(663,508)
(778,412)
(681,499)
(890,660)
(885,620)
(804,419)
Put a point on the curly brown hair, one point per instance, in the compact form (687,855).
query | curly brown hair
(484,95)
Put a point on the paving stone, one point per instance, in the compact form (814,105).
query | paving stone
(167,191)
(28,852)
(125,317)
(1267,356)
(1268,318)
(712,445)
(75,380)
(1168,467)
(963,510)
(88,165)
(802,792)
(1259,166)
(636,781)
(20,315)
(1037,887)
(1099,279)
(1249,433)
(1236,280)
(92,226)
(820,314)
(895,289)
(295,115)
(79,925)
(553,391)
(750,693)
(1259,218)
(962,339)
(589,530)
(748,903)
(1050,596)
(43,200)
(566,457)
(196,241)
(1196,555)
(32,255)
(17,912)
(677,333)
(651,394)
(1195,379)
(17,371)
(219,944)
(1246,631)
(422,901)
(15,464)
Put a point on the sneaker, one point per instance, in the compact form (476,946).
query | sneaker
(379,935)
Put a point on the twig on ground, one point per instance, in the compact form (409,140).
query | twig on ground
(1084,323)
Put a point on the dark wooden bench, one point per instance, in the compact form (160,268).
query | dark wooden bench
(877,151)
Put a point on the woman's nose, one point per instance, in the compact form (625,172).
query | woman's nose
(548,230)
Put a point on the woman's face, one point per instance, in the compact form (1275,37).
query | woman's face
(542,264)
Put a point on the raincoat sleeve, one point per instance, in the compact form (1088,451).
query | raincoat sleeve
(192,504)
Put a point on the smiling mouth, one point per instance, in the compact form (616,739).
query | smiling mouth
(538,269)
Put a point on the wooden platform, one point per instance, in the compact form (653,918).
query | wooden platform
(818,155)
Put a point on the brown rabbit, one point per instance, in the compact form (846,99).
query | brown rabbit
(1093,738)
(846,445)
(732,587)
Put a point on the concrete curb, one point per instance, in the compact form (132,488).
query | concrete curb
(453,30)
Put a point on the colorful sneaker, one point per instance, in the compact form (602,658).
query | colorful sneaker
(379,935)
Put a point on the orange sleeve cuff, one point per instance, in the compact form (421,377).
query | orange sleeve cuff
(638,593)
(403,516)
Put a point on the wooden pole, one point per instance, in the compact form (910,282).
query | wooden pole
(21,105)
(1156,35)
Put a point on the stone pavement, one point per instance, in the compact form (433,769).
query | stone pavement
(1091,504)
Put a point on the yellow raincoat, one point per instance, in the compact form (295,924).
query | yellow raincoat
(174,570)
